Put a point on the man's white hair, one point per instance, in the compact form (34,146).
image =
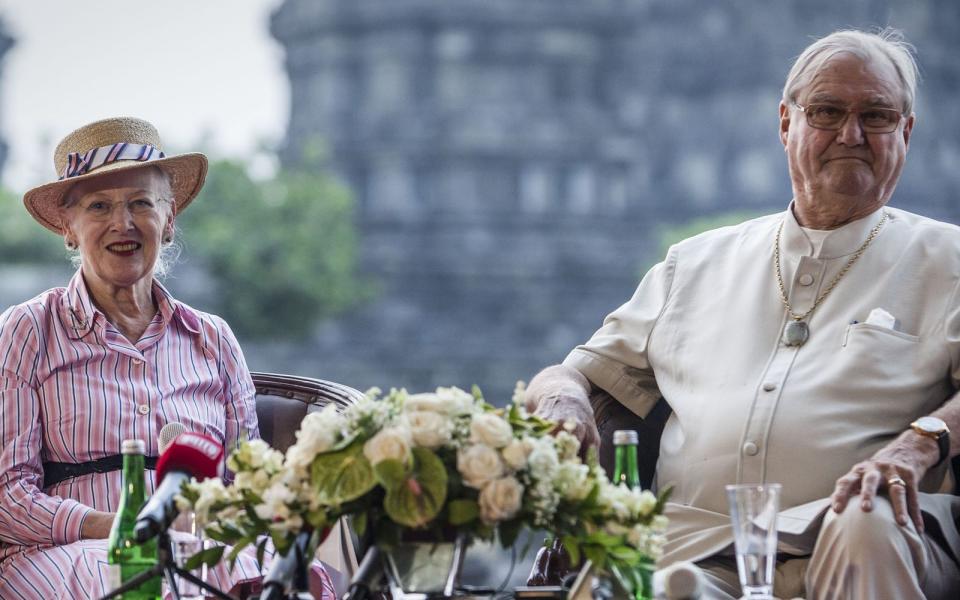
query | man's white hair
(888,43)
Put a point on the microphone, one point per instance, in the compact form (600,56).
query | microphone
(284,568)
(366,581)
(189,455)
(168,433)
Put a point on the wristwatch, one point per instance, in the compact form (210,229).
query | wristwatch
(935,429)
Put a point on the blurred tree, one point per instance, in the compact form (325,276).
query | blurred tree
(281,253)
(23,240)
(670,235)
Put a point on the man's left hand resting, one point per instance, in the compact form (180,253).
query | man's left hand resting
(908,458)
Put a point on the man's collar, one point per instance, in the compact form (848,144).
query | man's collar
(79,314)
(842,241)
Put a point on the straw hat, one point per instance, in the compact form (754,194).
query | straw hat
(107,146)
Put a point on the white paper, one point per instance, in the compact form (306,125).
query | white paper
(882,318)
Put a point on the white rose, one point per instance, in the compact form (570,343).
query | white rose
(426,402)
(429,429)
(568,446)
(573,481)
(456,401)
(448,401)
(389,443)
(489,429)
(515,453)
(479,464)
(647,502)
(500,500)
(543,460)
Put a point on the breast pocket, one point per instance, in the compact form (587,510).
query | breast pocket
(885,363)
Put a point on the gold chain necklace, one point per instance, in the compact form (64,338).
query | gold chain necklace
(797,330)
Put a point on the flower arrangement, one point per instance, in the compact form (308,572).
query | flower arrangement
(431,463)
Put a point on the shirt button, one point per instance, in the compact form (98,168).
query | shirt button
(750,449)
(806,279)
(769,386)
(143,409)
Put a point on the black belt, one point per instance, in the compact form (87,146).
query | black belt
(55,472)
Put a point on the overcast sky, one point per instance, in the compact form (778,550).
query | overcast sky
(205,72)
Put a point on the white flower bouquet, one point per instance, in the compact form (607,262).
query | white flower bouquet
(431,464)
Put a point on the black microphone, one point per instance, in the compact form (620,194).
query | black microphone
(284,568)
(189,455)
(366,581)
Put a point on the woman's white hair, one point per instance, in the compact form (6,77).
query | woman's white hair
(888,43)
(170,248)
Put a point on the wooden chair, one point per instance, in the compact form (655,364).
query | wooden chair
(284,400)
(282,403)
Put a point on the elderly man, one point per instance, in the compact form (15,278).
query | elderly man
(818,348)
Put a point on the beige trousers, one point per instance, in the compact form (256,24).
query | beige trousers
(858,556)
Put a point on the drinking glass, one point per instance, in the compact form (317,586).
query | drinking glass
(753,510)
(186,539)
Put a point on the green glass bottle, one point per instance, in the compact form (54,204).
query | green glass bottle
(626,471)
(127,558)
(625,468)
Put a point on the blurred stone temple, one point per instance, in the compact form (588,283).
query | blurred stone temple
(514,160)
(486,146)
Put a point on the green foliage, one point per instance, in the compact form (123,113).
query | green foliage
(282,253)
(670,235)
(343,475)
(421,496)
(23,240)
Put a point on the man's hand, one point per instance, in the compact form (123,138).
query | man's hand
(897,468)
(96,525)
(562,394)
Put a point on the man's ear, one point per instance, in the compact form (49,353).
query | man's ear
(908,129)
(784,123)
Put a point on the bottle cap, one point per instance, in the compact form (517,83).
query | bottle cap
(133,447)
(683,580)
(623,437)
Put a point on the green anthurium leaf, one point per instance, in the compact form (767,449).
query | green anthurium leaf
(508,532)
(318,518)
(602,538)
(420,497)
(359,522)
(596,554)
(624,554)
(391,473)
(261,550)
(463,511)
(210,557)
(343,475)
(572,547)
(238,548)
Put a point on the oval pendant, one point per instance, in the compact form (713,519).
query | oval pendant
(795,333)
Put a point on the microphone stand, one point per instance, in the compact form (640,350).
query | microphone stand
(299,584)
(168,569)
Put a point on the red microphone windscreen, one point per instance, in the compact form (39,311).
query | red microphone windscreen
(194,453)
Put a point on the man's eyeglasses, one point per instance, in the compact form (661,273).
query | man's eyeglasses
(832,117)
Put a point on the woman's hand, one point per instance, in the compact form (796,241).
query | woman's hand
(96,526)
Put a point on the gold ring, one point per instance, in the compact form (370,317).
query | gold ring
(896,481)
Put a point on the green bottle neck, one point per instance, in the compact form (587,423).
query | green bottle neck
(133,494)
(625,465)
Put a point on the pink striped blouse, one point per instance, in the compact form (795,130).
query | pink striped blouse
(72,388)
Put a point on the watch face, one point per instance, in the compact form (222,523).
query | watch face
(931,424)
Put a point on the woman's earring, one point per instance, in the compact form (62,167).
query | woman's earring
(70,244)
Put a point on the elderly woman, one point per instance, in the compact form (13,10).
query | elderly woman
(111,356)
